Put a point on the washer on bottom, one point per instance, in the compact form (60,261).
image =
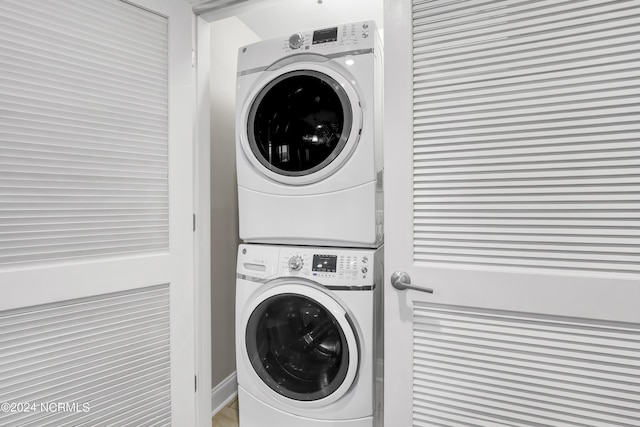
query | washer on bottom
(309,336)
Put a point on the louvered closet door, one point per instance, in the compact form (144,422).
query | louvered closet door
(96,249)
(512,168)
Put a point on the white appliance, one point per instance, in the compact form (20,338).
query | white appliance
(308,138)
(309,336)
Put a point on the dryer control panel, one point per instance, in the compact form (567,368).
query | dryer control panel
(344,40)
(354,35)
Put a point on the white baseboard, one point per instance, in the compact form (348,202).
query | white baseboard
(224,393)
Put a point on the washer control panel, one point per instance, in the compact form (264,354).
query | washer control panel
(324,265)
(296,263)
(335,265)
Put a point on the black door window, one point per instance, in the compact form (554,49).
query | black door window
(297,347)
(299,123)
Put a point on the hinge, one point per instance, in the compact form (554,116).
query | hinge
(195,383)
(193,58)
(194,222)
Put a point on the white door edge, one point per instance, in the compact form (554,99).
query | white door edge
(202,224)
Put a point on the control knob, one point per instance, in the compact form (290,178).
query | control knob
(295,263)
(296,40)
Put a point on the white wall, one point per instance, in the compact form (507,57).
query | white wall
(227,36)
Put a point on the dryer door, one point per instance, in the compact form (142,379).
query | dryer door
(301,344)
(303,122)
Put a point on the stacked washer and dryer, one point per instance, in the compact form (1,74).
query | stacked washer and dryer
(309,274)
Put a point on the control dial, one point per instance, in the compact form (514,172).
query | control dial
(296,40)
(295,263)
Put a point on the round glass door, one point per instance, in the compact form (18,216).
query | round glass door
(299,123)
(297,347)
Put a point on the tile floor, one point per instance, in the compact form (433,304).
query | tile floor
(227,417)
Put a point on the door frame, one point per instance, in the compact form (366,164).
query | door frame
(397,126)
(202,221)
(202,20)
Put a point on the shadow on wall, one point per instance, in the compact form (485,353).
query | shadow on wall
(227,36)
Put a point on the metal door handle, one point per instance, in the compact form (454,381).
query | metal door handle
(402,281)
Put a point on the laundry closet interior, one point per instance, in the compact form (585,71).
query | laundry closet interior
(229,28)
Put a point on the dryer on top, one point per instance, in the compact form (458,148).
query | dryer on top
(308,138)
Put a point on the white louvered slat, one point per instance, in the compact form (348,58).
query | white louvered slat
(480,368)
(83,130)
(109,351)
(526,134)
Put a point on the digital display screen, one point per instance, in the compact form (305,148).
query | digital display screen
(324,263)
(325,36)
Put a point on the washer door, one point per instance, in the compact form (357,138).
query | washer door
(301,344)
(302,123)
